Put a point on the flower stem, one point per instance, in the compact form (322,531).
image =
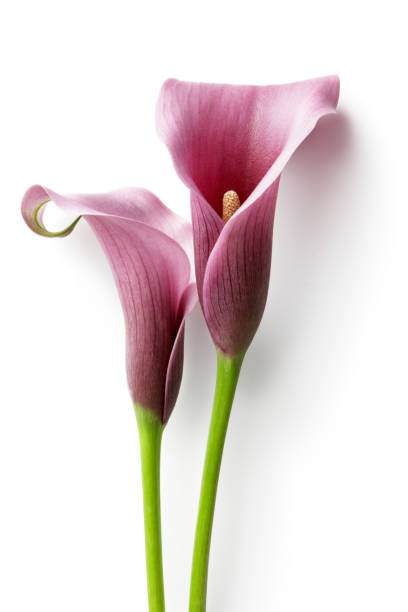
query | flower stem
(227,378)
(150,435)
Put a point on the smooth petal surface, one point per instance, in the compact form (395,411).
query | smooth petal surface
(146,245)
(232,137)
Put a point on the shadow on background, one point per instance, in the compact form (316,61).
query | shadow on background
(310,217)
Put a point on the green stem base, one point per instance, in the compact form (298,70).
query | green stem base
(150,435)
(227,379)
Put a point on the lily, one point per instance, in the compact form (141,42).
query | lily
(148,248)
(229,145)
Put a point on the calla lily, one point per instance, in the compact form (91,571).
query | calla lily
(229,144)
(148,248)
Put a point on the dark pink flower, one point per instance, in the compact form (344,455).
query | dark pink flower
(226,138)
(148,248)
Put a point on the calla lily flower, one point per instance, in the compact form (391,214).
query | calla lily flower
(229,145)
(149,249)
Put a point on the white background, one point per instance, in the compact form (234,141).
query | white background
(313,504)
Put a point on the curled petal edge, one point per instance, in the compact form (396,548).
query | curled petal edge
(34,220)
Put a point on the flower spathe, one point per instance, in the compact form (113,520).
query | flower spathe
(148,248)
(232,138)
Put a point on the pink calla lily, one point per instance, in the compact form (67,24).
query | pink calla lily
(148,247)
(239,138)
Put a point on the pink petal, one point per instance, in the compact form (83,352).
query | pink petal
(175,368)
(207,226)
(224,137)
(142,240)
(133,203)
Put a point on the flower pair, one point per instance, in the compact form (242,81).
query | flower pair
(229,145)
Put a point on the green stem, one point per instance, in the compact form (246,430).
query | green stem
(150,434)
(227,378)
